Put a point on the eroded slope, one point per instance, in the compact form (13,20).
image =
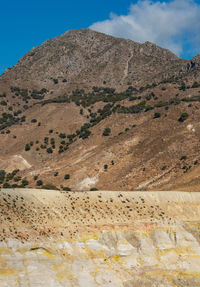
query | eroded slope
(52,238)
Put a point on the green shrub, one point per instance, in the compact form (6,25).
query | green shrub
(27,147)
(183,86)
(25,182)
(66,188)
(85,133)
(62,135)
(93,189)
(49,186)
(6,185)
(67,176)
(2,176)
(49,150)
(183,117)
(106,132)
(55,81)
(17,178)
(156,115)
(39,182)
(105,167)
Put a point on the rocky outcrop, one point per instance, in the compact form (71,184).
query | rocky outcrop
(52,238)
(85,57)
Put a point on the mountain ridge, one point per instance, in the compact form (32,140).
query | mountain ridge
(95,49)
(111,113)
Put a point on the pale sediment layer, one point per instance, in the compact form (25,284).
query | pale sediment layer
(101,238)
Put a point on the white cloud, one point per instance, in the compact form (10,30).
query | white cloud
(174,25)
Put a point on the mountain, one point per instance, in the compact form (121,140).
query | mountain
(86,57)
(87,110)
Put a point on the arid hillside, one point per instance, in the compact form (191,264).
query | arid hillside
(89,111)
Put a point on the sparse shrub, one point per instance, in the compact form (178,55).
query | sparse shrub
(3,103)
(17,178)
(43,146)
(27,147)
(184,157)
(195,85)
(49,186)
(62,135)
(106,132)
(61,149)
(55,81)
(39,182)
(183,86)
(25,182)
(2,176)
(183,117)
(85,133)
(149,108)
(156,115)
(49,150)
(105,167)
(46,140)
(66,188)
(67,176)
(93,189)
(33,121)
(6,185)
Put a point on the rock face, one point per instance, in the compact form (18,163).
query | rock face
(52,238)
(86,57)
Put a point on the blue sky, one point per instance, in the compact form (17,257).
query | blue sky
(28,23)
